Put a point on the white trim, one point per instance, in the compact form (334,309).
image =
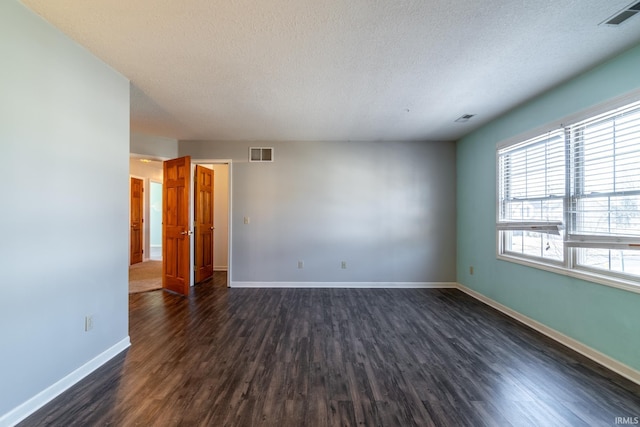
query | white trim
(220,267)
(575,345)
(549,227)
(604,242)
(27,408)
(426,285)
(599,279)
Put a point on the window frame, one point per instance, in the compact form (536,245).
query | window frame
(569,266)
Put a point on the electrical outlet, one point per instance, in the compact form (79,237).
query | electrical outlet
(471,270)
(344,264)
(300,264)
(247,220)
(88,323)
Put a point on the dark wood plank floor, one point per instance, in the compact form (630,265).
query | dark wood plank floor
(329,357)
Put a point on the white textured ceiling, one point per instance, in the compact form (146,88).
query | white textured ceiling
(337,69)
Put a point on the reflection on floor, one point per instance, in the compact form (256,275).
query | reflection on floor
(147,276)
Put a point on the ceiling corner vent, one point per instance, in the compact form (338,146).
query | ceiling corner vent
(623,15)
(464,118)
(261,154)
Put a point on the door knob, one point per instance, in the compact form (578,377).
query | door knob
(186,233)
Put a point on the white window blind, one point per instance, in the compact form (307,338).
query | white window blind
(605,172)
(532,178)
(532,182)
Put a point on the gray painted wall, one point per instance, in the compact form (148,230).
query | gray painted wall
(386,208)
(153,146)
(64,145)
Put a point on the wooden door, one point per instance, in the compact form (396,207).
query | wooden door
(135,239)
(203,212)
(175,225)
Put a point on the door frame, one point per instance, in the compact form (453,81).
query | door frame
(145,207)
(229,163)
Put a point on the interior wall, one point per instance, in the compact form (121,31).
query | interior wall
(601,317)
(153,146)
(64,127)
(221,217)
(387,209)
(155,214)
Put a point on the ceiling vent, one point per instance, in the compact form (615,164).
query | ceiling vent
(261,154)
(623,15)
(464,118)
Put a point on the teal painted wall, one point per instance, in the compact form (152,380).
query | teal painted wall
(602,317)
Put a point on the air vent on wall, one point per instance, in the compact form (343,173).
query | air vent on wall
(261,154)
(623,15)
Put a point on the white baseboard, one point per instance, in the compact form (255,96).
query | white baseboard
(343,285)
(27,408)
(598,357)
(220,268)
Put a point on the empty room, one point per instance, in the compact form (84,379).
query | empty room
(367,213)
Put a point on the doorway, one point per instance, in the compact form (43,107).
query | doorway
(221,217)
(147,275)
(151,171)
(155,221)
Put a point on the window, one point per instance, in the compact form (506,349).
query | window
(571,198)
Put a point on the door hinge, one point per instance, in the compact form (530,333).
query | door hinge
(195,268)
(194,224)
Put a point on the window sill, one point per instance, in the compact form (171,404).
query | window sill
(601,279)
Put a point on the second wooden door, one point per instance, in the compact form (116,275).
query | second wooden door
(203,212)
(135,239)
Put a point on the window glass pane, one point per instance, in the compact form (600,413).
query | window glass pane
(611,215)
(531,173)
(539,245)
(534,210)
(619,261)
(625,215)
